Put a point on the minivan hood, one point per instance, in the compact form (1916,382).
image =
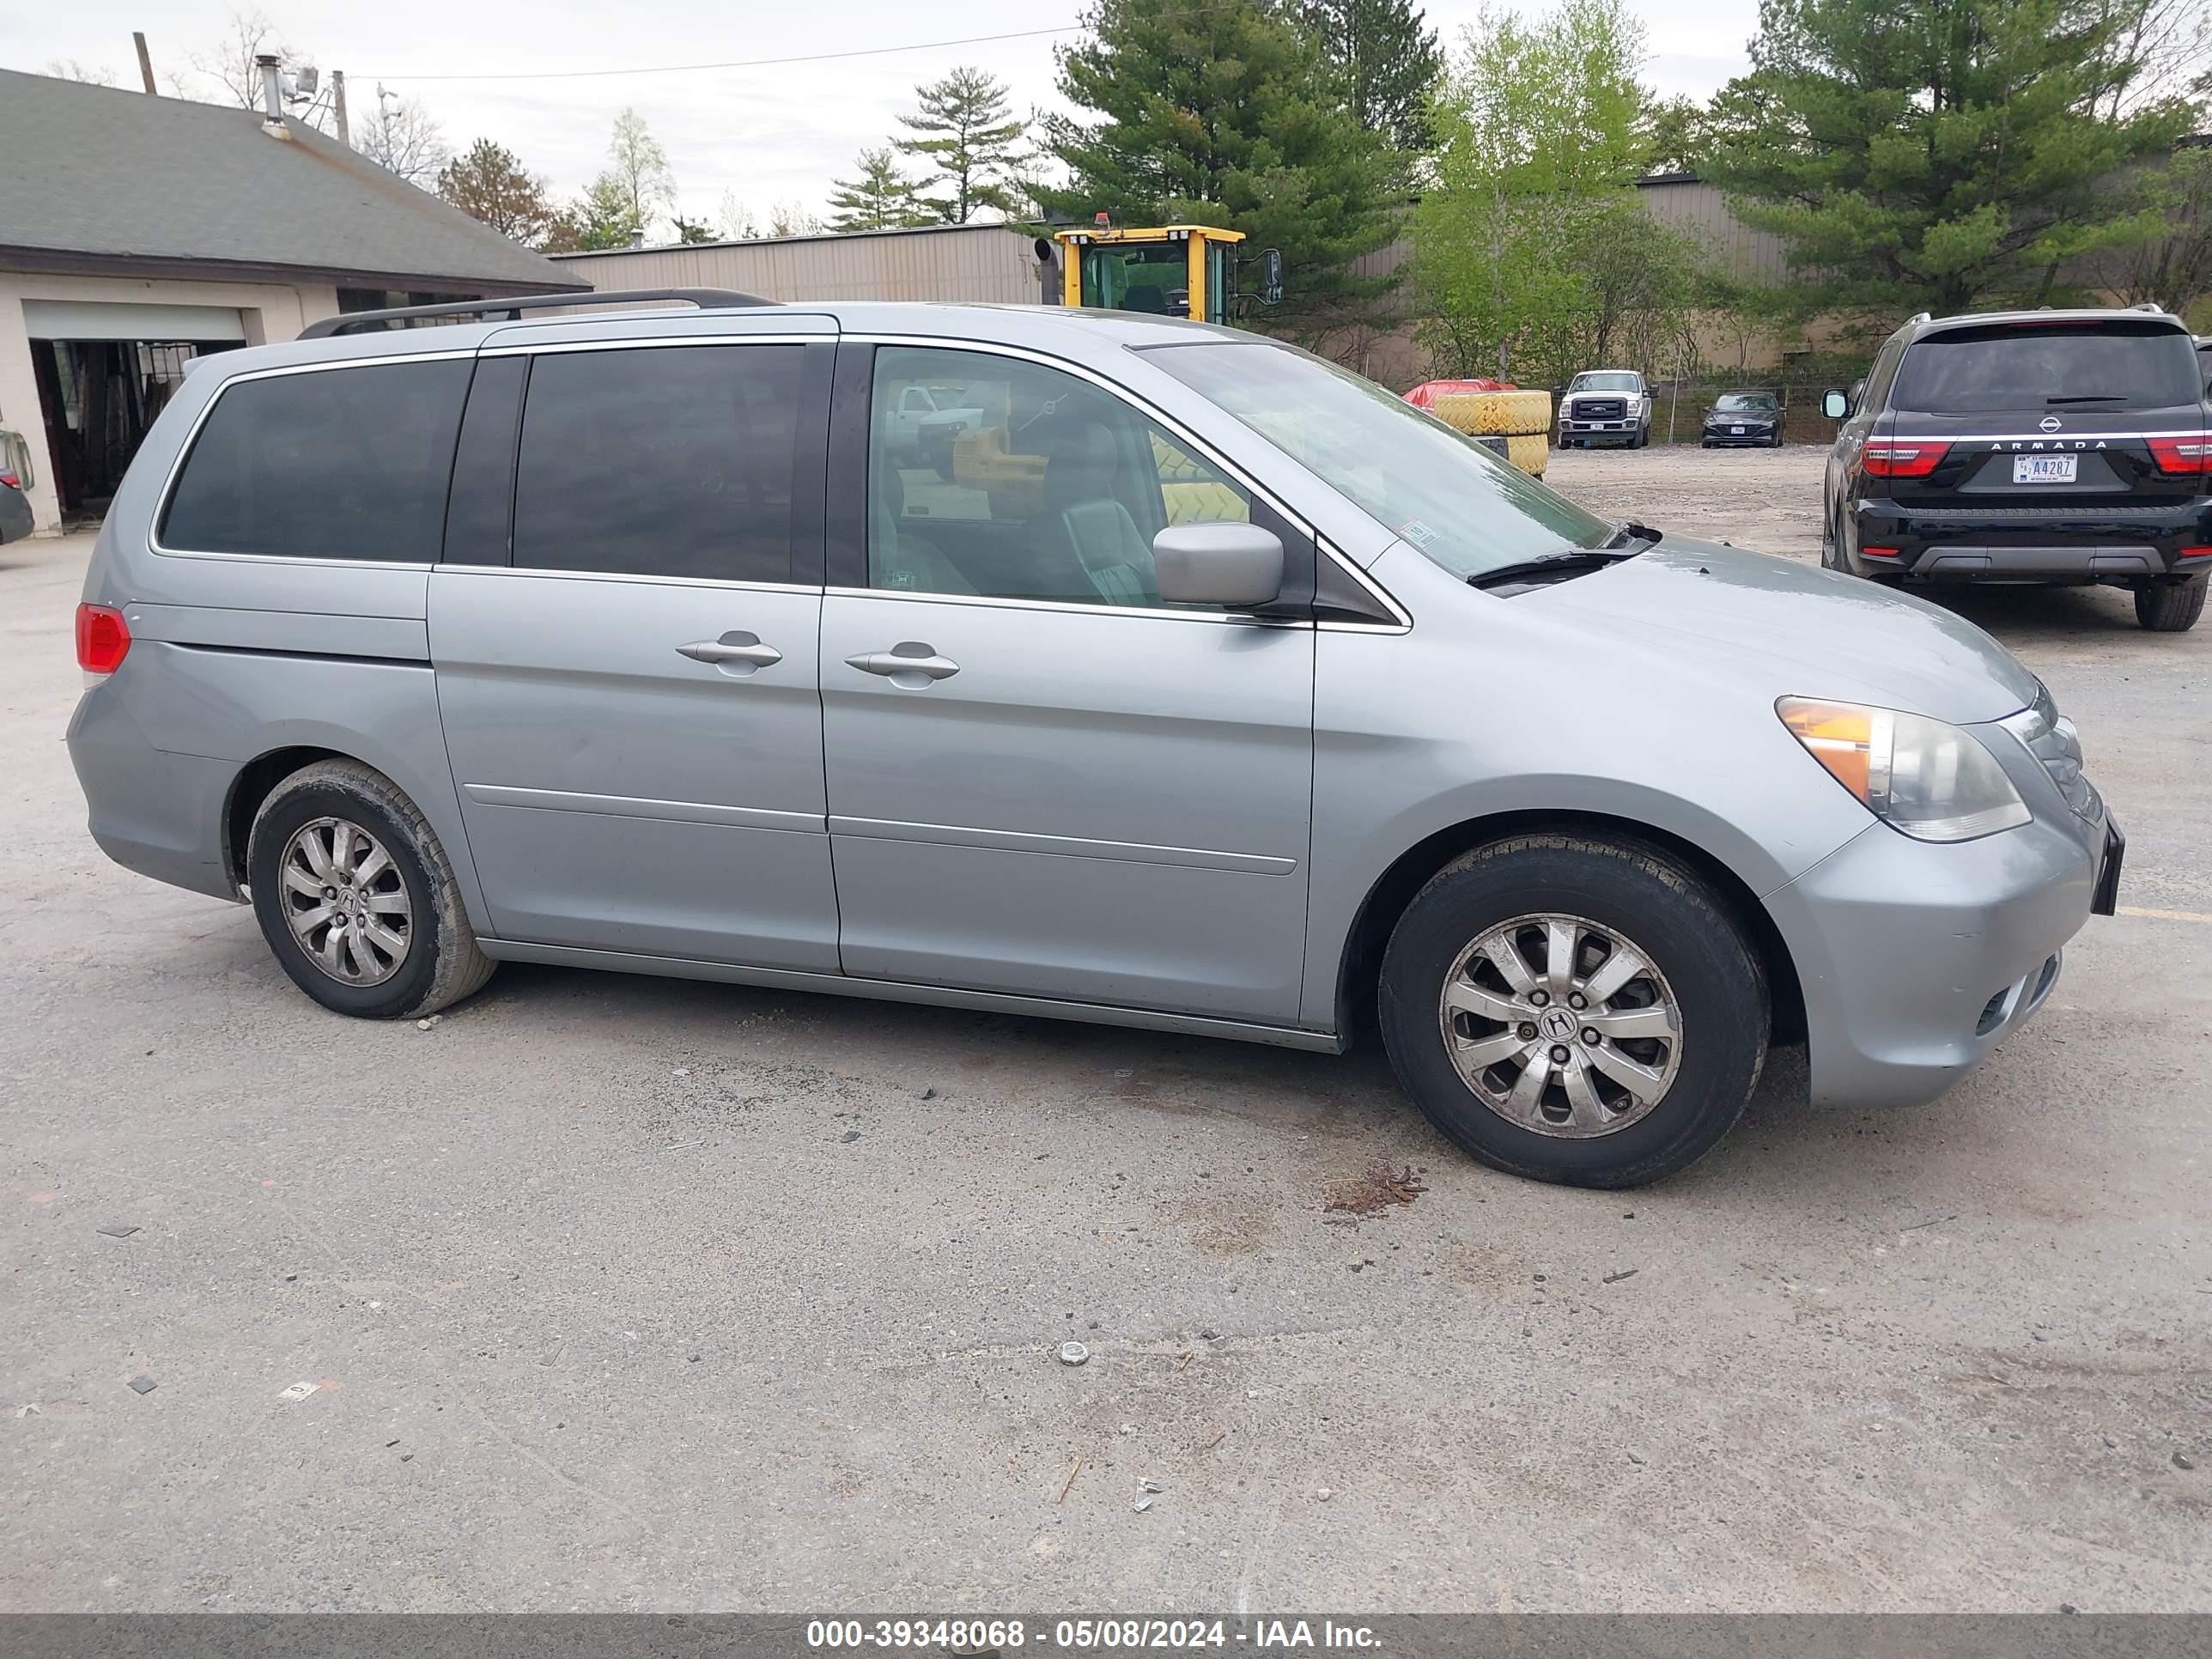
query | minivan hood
(1797,629)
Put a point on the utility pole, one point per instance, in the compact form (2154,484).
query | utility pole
(145,63)
(337,103)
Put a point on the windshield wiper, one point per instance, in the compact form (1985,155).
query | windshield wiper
(1629,531)
(1567,561)
(2091,397)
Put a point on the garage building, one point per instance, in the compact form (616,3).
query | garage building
(138,232)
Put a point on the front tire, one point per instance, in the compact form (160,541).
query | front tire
(1666,999)
(2172,607)
(356,897)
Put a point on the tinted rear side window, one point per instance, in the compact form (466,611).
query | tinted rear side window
(661,461)
(2040,366)
(483,497)
(339,464)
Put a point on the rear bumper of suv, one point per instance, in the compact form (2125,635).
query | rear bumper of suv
(1969,543)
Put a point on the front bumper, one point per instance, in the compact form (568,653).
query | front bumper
(1724,437)
(2037,544)
(1916,959)
(1620,428)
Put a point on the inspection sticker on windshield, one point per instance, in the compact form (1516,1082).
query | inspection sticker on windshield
(1417,533)
(2044,469)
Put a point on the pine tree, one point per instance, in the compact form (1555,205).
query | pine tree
(881,198)
(488,183)
(603,216)
(966,137)
(1226,115)
(1958,152)
(1387,50)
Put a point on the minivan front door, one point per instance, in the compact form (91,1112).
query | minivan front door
(630,701)
(1043,779)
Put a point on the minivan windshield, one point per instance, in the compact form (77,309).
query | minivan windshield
(2015,366)
(1603,379)
(1467,508)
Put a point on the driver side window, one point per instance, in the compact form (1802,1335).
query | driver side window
(1026,482)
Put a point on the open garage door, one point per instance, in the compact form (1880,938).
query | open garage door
(105,372)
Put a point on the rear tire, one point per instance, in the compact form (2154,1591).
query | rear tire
(400,945)
(2172,607)
(1700,1059)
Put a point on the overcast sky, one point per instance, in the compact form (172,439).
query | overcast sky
(768,134)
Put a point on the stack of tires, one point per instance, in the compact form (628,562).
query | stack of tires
(1523,418)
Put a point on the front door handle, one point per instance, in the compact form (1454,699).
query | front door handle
(737,647)
(908,664)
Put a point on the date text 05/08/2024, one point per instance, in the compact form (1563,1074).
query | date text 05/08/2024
(983,1635)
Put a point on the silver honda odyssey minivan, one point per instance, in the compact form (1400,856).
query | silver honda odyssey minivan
(1141,673)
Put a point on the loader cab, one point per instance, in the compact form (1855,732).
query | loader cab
(1170,271)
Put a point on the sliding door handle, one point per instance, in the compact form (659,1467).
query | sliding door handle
(905,664)
(734,646)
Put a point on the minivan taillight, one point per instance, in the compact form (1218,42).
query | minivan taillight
(103,639)
(1904,457)
(2185,456)
(10,480)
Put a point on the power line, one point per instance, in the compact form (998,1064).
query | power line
(746,62)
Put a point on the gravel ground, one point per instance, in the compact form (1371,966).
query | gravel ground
(619,1293)
(1769,499)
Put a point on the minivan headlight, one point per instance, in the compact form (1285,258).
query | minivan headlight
(1930,781)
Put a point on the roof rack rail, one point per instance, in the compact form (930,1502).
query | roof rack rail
(513,306)
(1920,317)
(2149,305)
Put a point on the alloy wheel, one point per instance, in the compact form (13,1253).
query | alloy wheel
(345,901)
(1561,1025)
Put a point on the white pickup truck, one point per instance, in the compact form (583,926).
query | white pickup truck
(924,424)
(1606,406)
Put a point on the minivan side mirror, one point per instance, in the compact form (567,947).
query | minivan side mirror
(1238,566)
(1835,405)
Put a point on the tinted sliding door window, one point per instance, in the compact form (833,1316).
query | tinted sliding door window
(661,461)
(338,463)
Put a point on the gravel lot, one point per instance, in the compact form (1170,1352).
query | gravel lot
(623,1293)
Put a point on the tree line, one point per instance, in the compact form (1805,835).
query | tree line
(1954,155)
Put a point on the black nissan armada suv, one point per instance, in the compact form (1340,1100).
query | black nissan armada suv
(2046,446)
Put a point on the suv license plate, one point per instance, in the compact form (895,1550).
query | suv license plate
(2043,469)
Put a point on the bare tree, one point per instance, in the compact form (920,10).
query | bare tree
(68,68)
(400,136)
(2160,46)
(792,219)
(736,219)
(230,63)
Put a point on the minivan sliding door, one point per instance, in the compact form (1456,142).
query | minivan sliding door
(627,657)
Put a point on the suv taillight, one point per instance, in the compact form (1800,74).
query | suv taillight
(2185,456)
(1903,458)
(103,639)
